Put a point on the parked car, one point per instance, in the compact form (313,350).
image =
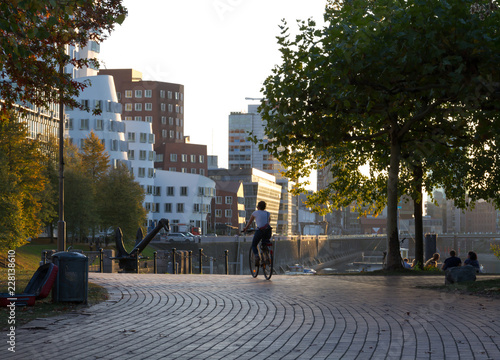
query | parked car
(175,237)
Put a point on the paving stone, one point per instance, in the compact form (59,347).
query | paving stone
(289,317)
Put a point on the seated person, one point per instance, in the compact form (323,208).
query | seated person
(472,260)
(432,262)
(452,261)
(406,264)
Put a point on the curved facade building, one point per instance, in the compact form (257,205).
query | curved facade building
(108,126)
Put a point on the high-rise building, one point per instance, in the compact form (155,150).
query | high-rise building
(244,154)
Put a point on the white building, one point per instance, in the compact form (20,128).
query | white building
(108,126)
(141,155)
(183,199)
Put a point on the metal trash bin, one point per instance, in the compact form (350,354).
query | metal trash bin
(72,278)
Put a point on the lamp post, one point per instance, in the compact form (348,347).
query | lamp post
(61,225)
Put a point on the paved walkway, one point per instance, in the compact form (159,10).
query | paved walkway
(289,317)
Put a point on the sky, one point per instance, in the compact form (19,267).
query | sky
(220,50)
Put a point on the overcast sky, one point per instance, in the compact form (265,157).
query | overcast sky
(220,50)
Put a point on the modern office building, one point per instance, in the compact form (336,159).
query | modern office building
(257,185)
(228,208)
(244,154)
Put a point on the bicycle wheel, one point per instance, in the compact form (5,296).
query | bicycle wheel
(267,264)
(254,270)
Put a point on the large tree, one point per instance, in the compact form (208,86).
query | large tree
(33,38)
(22,183)
(370,86)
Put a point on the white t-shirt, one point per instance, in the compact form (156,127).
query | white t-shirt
(262,217)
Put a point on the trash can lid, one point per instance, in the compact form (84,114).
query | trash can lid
(69,255)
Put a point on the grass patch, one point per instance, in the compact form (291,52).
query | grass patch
(484,288)
(27,262)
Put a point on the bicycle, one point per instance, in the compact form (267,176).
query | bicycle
(266,261)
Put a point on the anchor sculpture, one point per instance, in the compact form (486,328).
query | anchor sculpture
(128,261)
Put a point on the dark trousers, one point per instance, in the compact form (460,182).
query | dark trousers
(263,235)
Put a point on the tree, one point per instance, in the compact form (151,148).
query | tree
(363,90)
(22,181)
(33,37)
(79,195)
(120,202)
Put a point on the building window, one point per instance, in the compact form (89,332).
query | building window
(142,154)
(131,155)
(164,133)
(170,94)
(170,120)
(184,158)
(170,108)
(172,169)
(128,94)
(138,118)
(142,172)
(162,94)
(177,109)
(149,190)
(157,191)
(202,172)
(131,136)
(171,132)
(138,93)
(202,159)
(148,93)
(180,207)
(218,213)
(163,107)
(138,107)
(151,172)
(184,170)
(144,138)
(164,120)
(229,199)
(196,208)
(119,96)
(99,124)
(170,191)
(69,124)
(184,191)
(228,213)
(151,155)
(168,207)
(128,107)
(173,157)
(176,95)
(148,106)
(159,158)
(193,171)
(128,117)
(193,158)
(151,138)
(218,199)
(149,119)
(84,124)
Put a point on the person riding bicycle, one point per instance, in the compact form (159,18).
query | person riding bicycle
(264,230)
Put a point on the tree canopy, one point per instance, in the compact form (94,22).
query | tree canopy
(33,39)
(390,85)
(22,183)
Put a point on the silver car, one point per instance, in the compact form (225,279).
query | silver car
(176,237)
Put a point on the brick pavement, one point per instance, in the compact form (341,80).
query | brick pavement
(290,317)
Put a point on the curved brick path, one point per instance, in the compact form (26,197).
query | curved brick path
(289,317)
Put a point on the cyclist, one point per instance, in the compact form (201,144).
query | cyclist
(264,230)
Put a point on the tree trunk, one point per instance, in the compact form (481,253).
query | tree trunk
(393,258)
(417,212)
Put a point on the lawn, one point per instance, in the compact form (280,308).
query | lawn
(27,261)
